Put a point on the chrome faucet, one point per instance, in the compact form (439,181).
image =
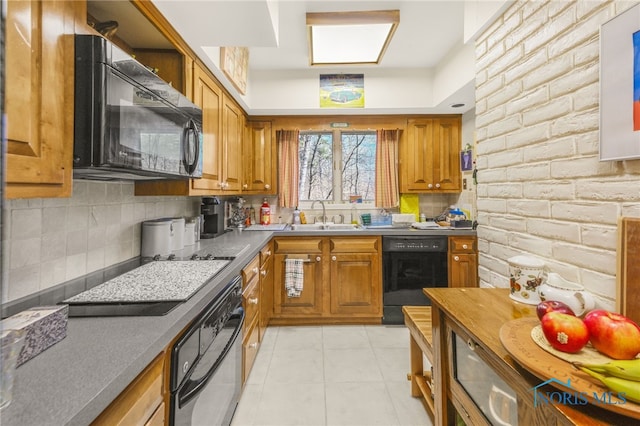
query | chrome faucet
(324,210)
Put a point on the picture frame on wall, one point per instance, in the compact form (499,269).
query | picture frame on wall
(620,86)
(234,62)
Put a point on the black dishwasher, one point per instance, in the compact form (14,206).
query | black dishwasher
(206,363)
(409,264)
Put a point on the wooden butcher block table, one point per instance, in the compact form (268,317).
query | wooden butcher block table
(468,324)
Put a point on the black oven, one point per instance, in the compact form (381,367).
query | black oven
(206,363)
(411,263)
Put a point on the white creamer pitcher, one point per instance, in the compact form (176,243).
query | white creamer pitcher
(572,294)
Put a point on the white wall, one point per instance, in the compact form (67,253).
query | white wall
(542,190)
(47,241)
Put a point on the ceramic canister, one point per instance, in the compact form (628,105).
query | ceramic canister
(156,238)
(177,233)
(189,233)
(526,274)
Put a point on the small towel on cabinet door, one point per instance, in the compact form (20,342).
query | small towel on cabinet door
(293,276)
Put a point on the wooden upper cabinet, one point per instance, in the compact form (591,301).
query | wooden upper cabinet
(208,96)
(231,155)
(39,98)
(429,157)
(221,144)
(259,159)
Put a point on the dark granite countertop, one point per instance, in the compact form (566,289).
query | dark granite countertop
(73,381)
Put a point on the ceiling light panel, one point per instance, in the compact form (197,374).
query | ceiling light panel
(350,37)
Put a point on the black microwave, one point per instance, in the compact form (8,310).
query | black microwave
(129,123)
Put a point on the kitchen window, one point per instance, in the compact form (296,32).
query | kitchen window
(337,165)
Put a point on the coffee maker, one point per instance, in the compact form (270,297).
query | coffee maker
(212,213)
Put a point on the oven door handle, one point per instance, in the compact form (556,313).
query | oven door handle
(193,387)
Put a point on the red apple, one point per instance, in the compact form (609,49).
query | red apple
(553,306)
(613,334)
(566,333)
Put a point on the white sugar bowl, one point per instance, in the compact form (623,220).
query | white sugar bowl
(526,274)
(571,294)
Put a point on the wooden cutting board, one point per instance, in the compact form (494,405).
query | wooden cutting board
(628,276)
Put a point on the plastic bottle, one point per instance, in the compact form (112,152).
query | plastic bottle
(354,215)
(265,213)
(296,216)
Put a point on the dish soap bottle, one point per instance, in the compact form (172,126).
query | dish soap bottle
(265,213)
(296,216)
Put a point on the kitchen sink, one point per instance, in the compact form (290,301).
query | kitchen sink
(329,226)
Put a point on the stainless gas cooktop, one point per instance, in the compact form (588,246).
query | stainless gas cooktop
(154,288)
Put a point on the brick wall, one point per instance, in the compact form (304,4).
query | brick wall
(541,187)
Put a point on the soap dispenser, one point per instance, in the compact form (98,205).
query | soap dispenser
(296,216)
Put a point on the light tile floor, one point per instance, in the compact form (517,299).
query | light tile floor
(331,375)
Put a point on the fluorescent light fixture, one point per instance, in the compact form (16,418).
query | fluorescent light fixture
(350,37)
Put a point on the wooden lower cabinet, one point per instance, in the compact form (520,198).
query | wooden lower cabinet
(251,305)
(311,300)
(142,402)
(463,261)
(266,287)
(342,280)
(355,276)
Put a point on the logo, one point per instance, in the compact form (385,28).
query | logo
(571,397)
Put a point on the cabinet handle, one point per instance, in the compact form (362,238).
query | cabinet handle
(456,258)
(267,186)
(245,186)
(464,246)
(430,186)
(263,273)
(253,301)
(333,258)
(472,345)
(268,253)
(253,345)
(437,185)
(255,270)
(318,259)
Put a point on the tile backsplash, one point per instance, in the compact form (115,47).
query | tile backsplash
(52,240)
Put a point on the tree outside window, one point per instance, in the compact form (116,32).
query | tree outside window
(350,154)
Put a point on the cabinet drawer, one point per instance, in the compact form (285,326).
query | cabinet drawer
(251,302)
(298,245)
(250,271)
(250,347)
(462,244)
(266,253)
(355,245)
(138,403)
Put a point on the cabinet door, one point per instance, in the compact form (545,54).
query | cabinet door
(310,300)
(463,270)
(446,165)
(259,159)
(39,98)
(355,283)
(232,127)
(208,96)
(417,155)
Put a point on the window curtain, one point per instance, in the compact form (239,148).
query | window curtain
(288,169)
(387,194)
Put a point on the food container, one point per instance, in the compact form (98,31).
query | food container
(177,233)
(526,274)
(156,238)
(189,233)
